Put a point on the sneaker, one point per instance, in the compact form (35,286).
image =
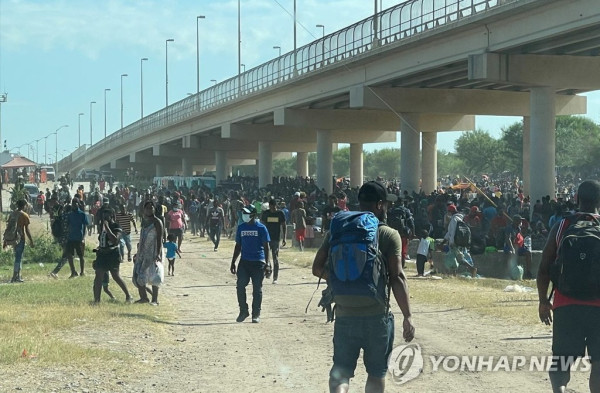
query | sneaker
(53,275)
(256,319)
(74,275)
(215,250)
(154,303)
(242,317)
(407,257)
(274,281)
(129,259)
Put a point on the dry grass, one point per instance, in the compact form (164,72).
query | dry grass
(39,318)
(485,296)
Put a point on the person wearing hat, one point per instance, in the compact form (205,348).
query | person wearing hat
(514,239)
(460,253)
(252,242)
(369,327)
(100,213)
(274,220)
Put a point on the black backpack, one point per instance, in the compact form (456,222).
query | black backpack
(57,226)
(462,234)
(576,269)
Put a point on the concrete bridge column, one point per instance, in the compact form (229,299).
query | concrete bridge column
(356,164)
(526,157)
(229,170)
(324,161)
(221,165)
(410,171)
(543,150)
(429,161)
(265,164)
(302,163)
(160,170)
(186,166)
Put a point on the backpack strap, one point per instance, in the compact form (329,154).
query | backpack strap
(385,271)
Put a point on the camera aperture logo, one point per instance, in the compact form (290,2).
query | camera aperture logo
(405,363)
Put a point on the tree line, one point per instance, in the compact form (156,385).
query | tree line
(476,152)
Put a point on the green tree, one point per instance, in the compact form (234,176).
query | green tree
(449,163)
(479,151)
(384,163)
(512,147)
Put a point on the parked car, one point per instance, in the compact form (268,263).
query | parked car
(88,174)
(33,191)
(50,174)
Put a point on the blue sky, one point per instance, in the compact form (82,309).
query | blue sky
(56,56)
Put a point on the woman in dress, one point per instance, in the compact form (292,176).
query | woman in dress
(147,268)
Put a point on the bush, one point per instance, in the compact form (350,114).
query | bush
(45,251)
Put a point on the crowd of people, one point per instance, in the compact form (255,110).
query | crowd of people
(496,211)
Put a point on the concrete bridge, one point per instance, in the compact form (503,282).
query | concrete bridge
(421,67)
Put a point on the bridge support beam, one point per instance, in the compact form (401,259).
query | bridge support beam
(526,157)
(324,161)
(186,166)
(302,164)
(160,170)
(221,164)
(265,164)
(429,161)
(356,164)
(410,161)
(542,153)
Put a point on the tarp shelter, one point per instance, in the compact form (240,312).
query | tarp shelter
(19,162)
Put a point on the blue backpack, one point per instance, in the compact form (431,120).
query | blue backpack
(356,266)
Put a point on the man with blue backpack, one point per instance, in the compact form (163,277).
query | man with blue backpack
(361,258)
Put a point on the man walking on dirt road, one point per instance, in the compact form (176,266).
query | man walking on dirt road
(576,304)
(370,327)
(252,241)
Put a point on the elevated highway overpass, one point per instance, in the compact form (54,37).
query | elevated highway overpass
(421,67)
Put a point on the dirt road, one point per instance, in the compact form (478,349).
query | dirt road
(203,349)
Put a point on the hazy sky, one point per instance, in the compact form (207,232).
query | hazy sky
(58,55)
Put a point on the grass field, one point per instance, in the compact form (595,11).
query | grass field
(35,316)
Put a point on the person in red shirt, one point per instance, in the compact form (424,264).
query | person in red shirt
(576,322)
(175,219)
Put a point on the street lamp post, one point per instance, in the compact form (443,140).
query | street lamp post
(79,127)
(122,75)
(105,90)
(243,67)
(142,60)
(322,42)
(56,147)
(278,61)
(198,52)
(91,124)
(167,71)
(37,151)
(295,65)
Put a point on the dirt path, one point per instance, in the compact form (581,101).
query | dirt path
(291,351)
(203,349)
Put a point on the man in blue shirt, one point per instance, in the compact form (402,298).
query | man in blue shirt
(75,227)
(252,242)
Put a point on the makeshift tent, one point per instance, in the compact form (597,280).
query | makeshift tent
(19,162)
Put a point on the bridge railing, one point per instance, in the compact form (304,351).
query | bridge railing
(397,23)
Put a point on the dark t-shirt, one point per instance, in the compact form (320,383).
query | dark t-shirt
(328,213)
(273,222)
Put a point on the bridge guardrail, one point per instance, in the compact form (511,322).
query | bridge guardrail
(400,22)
